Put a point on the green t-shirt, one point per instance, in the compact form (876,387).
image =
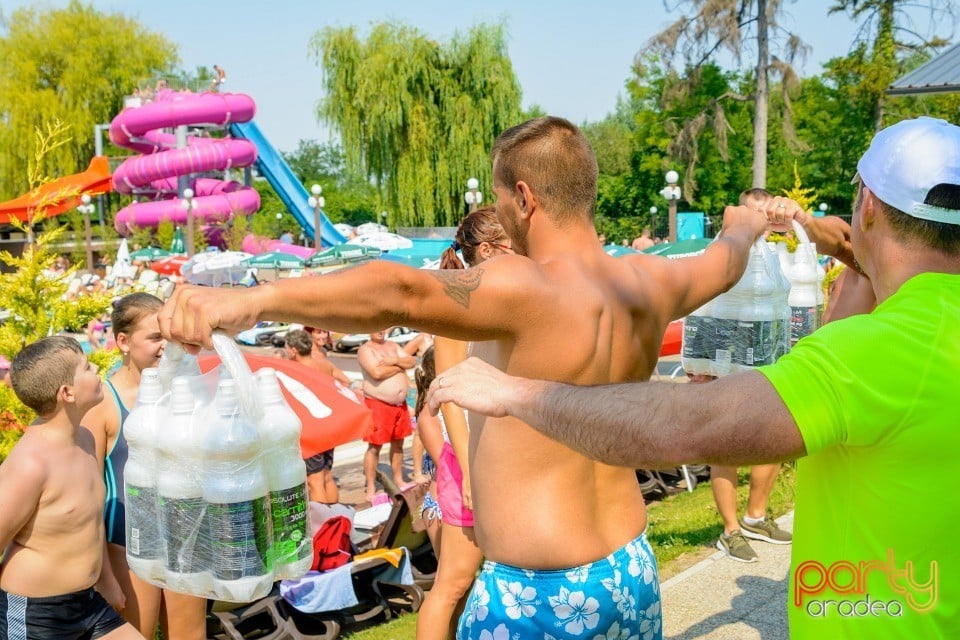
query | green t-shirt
(877,400)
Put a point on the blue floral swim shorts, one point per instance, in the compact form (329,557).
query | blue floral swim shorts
(616,597)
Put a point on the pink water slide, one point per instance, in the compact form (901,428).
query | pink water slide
(153,175)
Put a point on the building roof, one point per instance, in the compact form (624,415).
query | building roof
(939,75)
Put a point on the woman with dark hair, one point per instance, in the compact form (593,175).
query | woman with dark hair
(479,238)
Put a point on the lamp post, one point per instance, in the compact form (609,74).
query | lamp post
(672,193)
(86,209)
(473,196)
(653,220)
(823,208)
(188,204)
(279,228)
(317,202)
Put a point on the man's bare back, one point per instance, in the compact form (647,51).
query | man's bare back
(60,549)
(600,329)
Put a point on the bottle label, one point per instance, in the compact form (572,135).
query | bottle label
(182,518)
(239,538)
(142,528)
(755,343)
(803,322)
(288,507)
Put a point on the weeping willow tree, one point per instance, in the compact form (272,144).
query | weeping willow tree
(417,116)
(73,65)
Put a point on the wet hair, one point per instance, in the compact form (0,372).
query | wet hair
(552,156)
(756,193)
(424,375)
(942,236)
(299,340)
(41,368)
(476,228)
(131,309)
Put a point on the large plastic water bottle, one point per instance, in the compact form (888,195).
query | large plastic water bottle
(236,499)
(699,335)
(181,495)
(804,311)
(145,552)
(751,319)
(286,480)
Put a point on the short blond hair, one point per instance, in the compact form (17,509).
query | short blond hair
(41,368)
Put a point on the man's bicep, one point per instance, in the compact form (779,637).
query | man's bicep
(686,284)
(486,302)
(755,425)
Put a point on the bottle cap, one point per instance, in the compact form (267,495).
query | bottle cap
(150,388)
(181,400)
(269,385)
(228,400)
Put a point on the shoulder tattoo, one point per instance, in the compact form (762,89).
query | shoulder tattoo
(458,284)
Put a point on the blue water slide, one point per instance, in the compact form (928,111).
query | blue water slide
(281,177)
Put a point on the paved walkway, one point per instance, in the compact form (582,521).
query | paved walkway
(720,599)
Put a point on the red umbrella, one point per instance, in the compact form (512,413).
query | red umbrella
(672,339)
(329,412)
(169,266)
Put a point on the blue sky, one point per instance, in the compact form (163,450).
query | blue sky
(571,57)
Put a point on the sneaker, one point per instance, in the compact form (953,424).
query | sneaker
(736,547)
(768,531)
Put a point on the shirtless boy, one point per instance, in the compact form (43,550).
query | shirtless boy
(51,504)
(385,384)
(563,535)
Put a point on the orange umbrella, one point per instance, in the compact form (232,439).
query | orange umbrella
(329,412)
(169,266)
(672,339)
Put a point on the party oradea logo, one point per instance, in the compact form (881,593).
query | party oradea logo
(843,588)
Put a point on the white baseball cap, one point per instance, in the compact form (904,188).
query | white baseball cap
(906,160)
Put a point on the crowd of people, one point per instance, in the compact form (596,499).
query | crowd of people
(536,515)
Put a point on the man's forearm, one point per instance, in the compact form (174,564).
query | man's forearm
(651,425)
(619,424)
(831,235)
(365,298)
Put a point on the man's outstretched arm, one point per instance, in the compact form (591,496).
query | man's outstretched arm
(735,421)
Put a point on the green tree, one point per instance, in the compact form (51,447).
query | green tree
(889,42)
(48,73)
(417,116)
(349,196)
(693,40)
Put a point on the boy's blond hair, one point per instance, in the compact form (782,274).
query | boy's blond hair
(41,368)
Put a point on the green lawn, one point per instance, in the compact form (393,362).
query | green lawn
(684,523)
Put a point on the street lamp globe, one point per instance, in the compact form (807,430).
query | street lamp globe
(653,210)
(672,177)
(316,189)
(473,183)
(824,207)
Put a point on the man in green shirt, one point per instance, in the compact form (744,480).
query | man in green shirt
(869,403)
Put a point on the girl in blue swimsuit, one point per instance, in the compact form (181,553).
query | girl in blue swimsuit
(137,333)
